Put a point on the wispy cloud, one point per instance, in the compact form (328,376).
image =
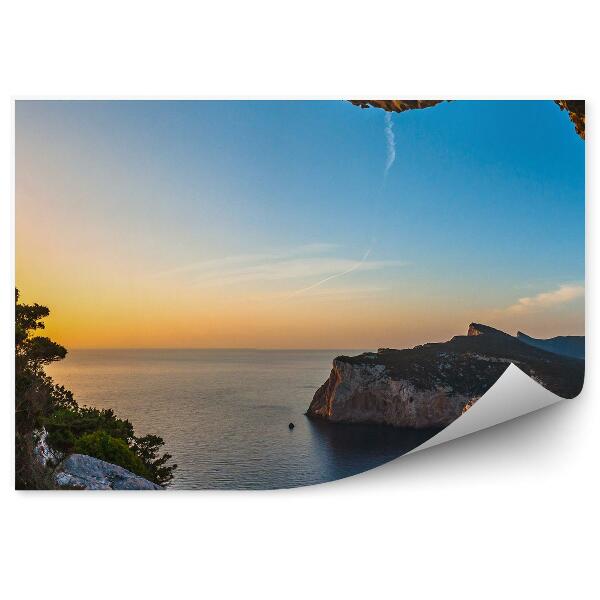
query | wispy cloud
(346,291)
(564,294)
(236,261)
(391,143)
(326,292)
(299,264)
(357,265)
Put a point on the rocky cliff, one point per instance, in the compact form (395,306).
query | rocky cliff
(575,108)
(430,385)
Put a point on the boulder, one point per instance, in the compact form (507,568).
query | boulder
(82,472)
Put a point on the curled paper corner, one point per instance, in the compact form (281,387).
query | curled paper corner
(513,395)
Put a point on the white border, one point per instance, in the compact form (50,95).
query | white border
(510,512)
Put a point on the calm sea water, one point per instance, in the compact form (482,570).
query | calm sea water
(224,414)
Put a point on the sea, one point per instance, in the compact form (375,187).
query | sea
(225,414)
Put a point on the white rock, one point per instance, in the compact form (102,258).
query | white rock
(80,471)
(42,452)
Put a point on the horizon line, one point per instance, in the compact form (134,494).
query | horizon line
(269,349)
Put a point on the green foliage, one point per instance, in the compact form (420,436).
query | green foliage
(34,390)
(71,428)
(28,317)
(32,352)
(113,450)
(65,425)
(147,448)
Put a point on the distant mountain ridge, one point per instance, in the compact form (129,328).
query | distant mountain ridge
(565,345)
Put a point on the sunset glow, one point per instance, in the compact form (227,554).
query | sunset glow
(272,225)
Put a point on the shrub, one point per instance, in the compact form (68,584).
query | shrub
(113,450)
(147,448)
(66,425)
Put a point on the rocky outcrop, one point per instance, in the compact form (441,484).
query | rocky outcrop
(82,472)
(368,393)
(43,453)
(396,105)
(431,385)
(565,345)
(575,108)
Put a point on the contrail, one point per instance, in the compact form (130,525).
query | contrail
(334,276)
(391,143)
(391,157)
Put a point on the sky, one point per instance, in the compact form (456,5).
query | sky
(297,224)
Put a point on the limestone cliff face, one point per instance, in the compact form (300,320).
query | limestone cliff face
(368,394)
(429,386)
(575,108)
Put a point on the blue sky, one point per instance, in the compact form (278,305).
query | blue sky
(230,201)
